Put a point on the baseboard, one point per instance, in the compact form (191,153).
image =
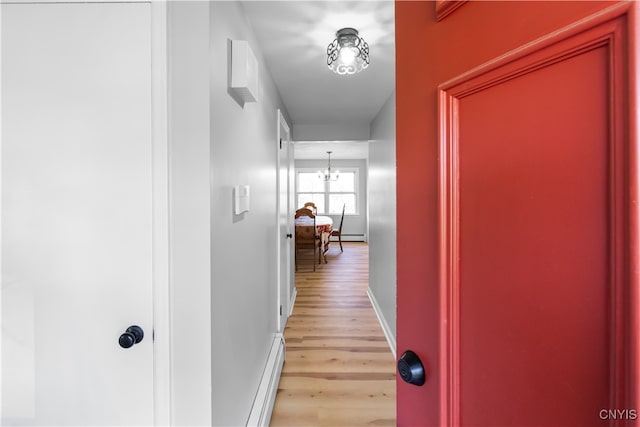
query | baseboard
(265,398)
(388,333)
(292,300)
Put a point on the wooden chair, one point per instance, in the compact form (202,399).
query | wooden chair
(305,212)
(312,207)
(308,211)
(307,237)
(338,232)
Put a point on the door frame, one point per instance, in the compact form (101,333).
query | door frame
(283,278)
(162,399)
(605,28)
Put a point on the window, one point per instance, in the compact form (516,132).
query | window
(328,196)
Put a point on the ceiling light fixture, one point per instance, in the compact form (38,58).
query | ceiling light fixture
(348,53)
(327,174)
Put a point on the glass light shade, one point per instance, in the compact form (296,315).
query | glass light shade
(328,174)
(348,53)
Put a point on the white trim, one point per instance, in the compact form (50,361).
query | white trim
(265,398)
(281,317)
(292,301)
(388,333)
(160,165)
(1,270)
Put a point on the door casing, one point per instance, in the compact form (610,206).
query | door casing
(284,243)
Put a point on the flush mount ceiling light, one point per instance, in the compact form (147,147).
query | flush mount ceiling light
(348,53)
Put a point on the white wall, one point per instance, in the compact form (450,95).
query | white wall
(243,247)
(188,44)
(332,132)
(223,277)
(382,213)
(353,224)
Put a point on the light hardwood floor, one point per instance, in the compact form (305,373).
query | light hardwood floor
(339,370)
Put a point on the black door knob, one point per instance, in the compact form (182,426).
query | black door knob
(289,236)
(411,369)
(133,335)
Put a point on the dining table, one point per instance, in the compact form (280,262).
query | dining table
(324,227)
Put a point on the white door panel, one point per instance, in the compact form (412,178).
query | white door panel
(76,213)
(285,230)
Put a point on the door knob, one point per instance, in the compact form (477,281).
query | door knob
(133,335)
(411,369)
(289,236)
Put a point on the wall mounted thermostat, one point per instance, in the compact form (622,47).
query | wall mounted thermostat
(241,198)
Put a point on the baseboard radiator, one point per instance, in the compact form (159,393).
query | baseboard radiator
(265,398)
(362,237)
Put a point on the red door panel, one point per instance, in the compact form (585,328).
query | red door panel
(534,285)
(519,287)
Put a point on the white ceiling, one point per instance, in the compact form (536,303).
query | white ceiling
(293,37)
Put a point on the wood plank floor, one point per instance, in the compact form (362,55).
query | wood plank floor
(339,370)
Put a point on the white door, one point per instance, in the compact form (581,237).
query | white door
(76,214)
(285,230)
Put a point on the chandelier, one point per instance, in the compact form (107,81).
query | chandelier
(327,174)
(348,53)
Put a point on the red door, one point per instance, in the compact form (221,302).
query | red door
(521,295)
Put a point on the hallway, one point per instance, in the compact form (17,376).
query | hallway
(338,370)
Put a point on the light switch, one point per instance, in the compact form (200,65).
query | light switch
(241,198)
